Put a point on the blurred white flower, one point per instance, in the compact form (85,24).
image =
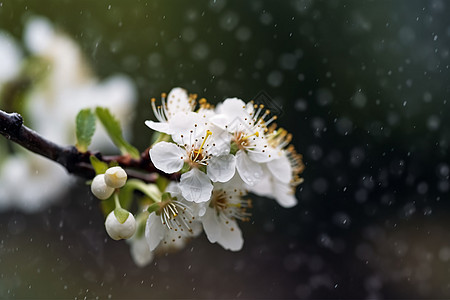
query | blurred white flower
(140,251)
(30,182)
(65,86)
(11,58)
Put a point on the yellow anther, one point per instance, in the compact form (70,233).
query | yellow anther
(163,95)
(208,133)
(250,135)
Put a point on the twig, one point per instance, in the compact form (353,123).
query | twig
(76,162)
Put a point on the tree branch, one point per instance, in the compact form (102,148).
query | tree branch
(76,162)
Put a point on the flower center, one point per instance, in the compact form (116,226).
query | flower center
(197,156)
(231,205)
(176,216)
(242,141)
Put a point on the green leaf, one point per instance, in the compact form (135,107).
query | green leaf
(100,167)
(150,190)
(153,207)
(121,214)
(162,183)
(114,130)
(166,197)
(85,123)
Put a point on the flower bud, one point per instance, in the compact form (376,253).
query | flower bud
(118,231)
(100,189)
(115,177)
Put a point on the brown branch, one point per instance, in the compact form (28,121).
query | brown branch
(76,162)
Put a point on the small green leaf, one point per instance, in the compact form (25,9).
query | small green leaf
(114,130)
(141,220)
(100,167)
(121,214)
(165,197)
(85,123)
(153,207)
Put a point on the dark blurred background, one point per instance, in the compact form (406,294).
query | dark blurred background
(363,87)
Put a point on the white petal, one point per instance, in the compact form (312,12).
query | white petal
(211,225)
(190,125)
(263,187)
(174,189)
(231,236)
(250,171)
(178,100)
(154,231)
(220,121)
(159,126)
(262,153)
(220,141)
(281,169)
(167,157)
(196,186)
(283,194)
(233,107)
(221,168)
(140,252)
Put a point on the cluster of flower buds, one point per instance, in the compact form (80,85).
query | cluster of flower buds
(120,223)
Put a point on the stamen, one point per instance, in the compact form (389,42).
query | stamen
(250,135)
(208,133)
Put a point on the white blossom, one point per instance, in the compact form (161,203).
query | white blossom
(220,217)
(246,127)
(172,223)
(281,175)
(198,148)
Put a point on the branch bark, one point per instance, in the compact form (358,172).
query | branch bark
(75,162)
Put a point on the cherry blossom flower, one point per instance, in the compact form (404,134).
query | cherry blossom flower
(177,101)
(220,217)
(246,127)
(172,222)
(203,152)
(282,174)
